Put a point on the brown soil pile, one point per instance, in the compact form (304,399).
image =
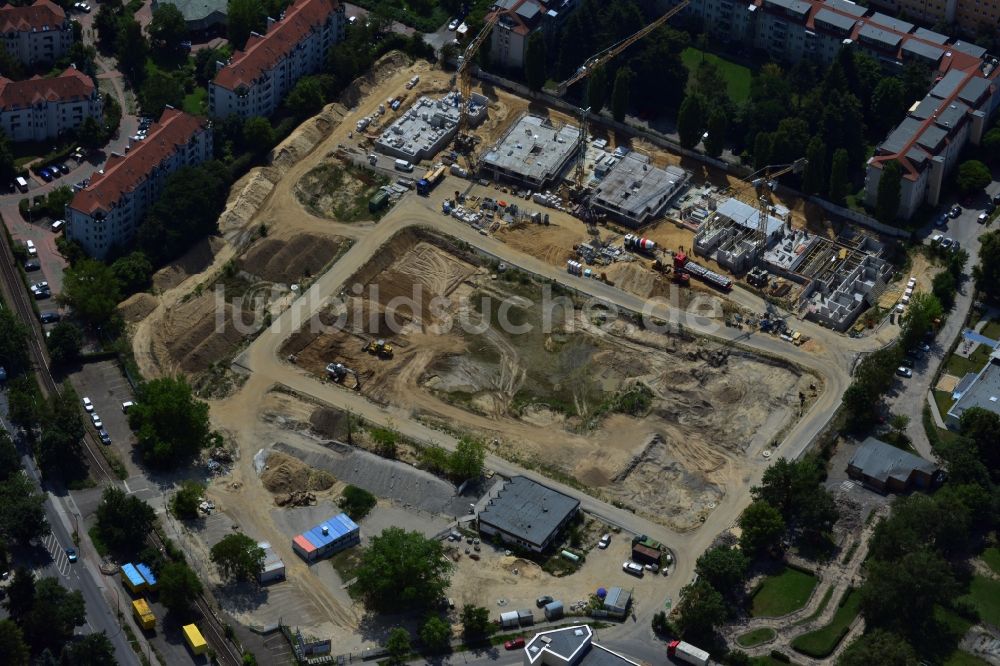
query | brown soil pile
(194,261)
(290,261)
(326,422)
(136,307)
(285,474)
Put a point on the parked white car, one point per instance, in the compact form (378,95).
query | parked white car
(98,423)
(88,406)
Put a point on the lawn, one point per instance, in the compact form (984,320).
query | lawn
(756,637)
(991,330)
(984,594)
(959,658)
(960,367)
(821,642)
(944,402)
(769,661)
(196,103)
(822,605)
(991,556)
(737,76)
(783,593)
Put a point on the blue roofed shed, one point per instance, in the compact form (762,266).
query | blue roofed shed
(147,575)
(132,579)
(327,538)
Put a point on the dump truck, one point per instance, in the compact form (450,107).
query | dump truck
(430,180)
(380,348)
(689,654)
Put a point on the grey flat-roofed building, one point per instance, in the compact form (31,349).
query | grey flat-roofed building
(932,137)
(797,8)
(899,137)
(846,7)
(896,24)
(969,49)
(199,15)
(636,192)
(886,468)
(928,52)
(527,514)
(571,646)
(973,91)
(926,108)
(983,392)
(918,155)
(834,21)
(533,152)
(930,36)
(883,38)
(948,84)
(950,116)
(617,601)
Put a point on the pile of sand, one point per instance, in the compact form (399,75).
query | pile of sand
(285,474)
(289,261)
(137,306)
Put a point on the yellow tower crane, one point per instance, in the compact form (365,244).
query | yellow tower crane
(762,183)
(463,141)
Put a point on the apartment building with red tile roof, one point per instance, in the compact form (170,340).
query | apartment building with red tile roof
(107,212)
(43,108)
(38,33)
(255,80)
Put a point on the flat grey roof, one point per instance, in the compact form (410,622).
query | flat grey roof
(932,137)
(974,89)
(533,148)
(951,115)
(882,461)
(636,188)
(969,49)
(528,509)
(887,21)
(917,155)
(528,11)
(571,646)
(797,7)
(946,87)
(835,20)
(983,393)
(899,137)
(196,10)
(747,216)
(617,599)
(847,7)
(928,105)
(876,34)
(931,36)
(927,51)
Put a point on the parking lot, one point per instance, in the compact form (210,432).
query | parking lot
(107,388)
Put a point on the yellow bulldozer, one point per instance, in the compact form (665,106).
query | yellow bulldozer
(380,348)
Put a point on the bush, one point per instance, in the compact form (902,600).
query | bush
(357,502)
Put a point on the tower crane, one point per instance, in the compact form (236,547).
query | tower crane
(598,60)
(763,182)
(464,78)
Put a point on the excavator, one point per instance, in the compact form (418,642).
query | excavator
(338,372)
(379,348)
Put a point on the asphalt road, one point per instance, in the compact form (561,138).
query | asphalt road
(831,362)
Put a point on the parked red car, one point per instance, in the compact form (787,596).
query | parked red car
(514,643)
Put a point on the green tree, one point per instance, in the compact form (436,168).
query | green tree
(123,521)
(8,170)
(814,177)
(90,134)
(107,25)
(475,623)
(900,595)
(13,343)
(159,90)
(690,121)
(888,103)
(620,94)
(723,568)
(878,647)
(13,649)
(718,127)
(64,342)
(466,461)
(91,289)
(54,614)
(242,18)
(924,309)
(762,527)
(167,29)
(762,150)
(991,144)
(134,272)
(20,595)
(184,503)
(258,134)
(887,197)
(178,587)
(238,557)
(90,650)
(436,634)
(398,645)
(22,511)
(710,85)
(981,428)
(973,176)
(987,272)
(944,286)
(839,168)
(306,98)
(171,425)
(132,50)
(701,611)
(357,502)
(534,61)
(401,570)
(597,89)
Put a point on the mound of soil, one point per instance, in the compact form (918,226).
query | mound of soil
(327,422)
(285,474)
(289,261)
(136,307)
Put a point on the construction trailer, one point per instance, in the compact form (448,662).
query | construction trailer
(147,576)
(274,567)
(327,538)
(132,579)
(195,641)
(143,615)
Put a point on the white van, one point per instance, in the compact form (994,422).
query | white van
(32,252)
(403,165)
(21,183)
(57,225)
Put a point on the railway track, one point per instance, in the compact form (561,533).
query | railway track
(212,627)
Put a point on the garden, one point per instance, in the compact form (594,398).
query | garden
(782,593)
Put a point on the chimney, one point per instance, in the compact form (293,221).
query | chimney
(326,531)
(270,22)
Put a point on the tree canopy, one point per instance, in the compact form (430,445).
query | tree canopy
(123,521)
(178,587)
(972,176)
(238,557)
(701,611)
(987,271)
(887,196)
(90,288)
(402,570)
(762,527)
(171,425)
(167,28)
(722,567)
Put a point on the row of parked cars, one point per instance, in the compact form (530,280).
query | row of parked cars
(50,173)
(95,419)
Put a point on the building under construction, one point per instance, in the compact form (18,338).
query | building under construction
(533,153)
(635,192)
(731,235)
(428,126)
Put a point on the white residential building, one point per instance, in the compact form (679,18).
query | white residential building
(38,33)
(256,79)
(38,108)
(108,211)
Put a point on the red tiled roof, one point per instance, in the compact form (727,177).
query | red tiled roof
(122,174)
(23,19)
(261,53)
(71,84)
